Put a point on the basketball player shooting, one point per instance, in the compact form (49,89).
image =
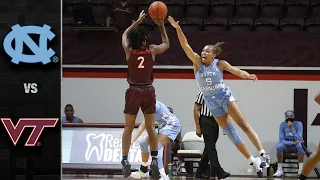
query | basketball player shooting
(141,93)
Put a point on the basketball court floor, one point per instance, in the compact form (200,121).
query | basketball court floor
(107,177)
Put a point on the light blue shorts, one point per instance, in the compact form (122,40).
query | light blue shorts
(170,130)
(218,104)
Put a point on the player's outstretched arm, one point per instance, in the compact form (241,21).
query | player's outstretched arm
(141,128)
(224,65)
(159,49)
(125,41)
(194,57)
(317,98)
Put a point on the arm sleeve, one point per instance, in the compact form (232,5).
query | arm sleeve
(282,135)
(298,132)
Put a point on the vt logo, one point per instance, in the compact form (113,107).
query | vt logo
(21,35)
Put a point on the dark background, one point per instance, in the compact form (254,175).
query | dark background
(42,162)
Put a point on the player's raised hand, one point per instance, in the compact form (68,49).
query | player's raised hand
(173,23)
(141,16)
(253,77)
(159,22)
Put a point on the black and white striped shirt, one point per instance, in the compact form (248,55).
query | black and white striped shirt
(204,109)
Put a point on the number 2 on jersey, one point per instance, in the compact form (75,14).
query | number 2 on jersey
(141,59)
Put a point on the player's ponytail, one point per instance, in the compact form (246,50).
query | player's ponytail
(217,48)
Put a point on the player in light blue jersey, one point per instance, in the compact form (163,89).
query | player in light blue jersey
(218,97)
(168,129)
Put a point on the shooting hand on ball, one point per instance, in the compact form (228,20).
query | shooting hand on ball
(159,22)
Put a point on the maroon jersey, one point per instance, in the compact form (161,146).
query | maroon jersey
(140,67)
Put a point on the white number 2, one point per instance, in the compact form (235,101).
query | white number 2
(141,59)
(209,81)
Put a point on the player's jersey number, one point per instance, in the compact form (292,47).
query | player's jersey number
(141,64)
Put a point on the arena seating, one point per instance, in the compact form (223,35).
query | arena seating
(219,15)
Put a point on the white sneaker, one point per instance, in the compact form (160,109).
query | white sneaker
(256,165)
(139,175)
(164,177)
(266,160)
(279,173)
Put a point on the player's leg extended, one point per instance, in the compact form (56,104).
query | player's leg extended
(163,141)
(132,105)
(225,123)
(310,164)
(238,117)
(127,132)
(126,142)
(144,146)
(148,108)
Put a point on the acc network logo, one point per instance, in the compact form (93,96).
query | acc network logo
(21,35)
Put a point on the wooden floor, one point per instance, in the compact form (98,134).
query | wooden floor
(106,177)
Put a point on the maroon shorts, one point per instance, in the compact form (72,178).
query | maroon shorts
(144,97)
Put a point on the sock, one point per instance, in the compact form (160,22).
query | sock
(162,172)
(145,164)
(124,157)
(279,165)
(302,177)
(300,166)
(144,169)
(262,152)
(251,159)
(154,155)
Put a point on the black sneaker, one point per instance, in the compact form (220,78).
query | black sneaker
(201,176)
(126,168)
(223,175)
(154,169)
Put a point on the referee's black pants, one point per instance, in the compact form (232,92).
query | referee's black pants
(210,130)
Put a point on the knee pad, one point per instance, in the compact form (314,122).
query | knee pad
(232,134)
(144,145)
(280,148)
(299,148)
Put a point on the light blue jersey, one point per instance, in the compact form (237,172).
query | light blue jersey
(216,94)
(168,124)
(75,119)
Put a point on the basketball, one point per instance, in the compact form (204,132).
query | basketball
(158,10)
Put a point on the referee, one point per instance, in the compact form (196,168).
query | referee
(207,125)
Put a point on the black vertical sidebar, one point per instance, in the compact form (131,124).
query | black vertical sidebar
(42,100)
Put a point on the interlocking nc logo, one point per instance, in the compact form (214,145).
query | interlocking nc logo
(21,35)
(38,125)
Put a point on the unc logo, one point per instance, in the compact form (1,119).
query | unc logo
(20,35)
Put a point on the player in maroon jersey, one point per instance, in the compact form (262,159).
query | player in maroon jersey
(141,93)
